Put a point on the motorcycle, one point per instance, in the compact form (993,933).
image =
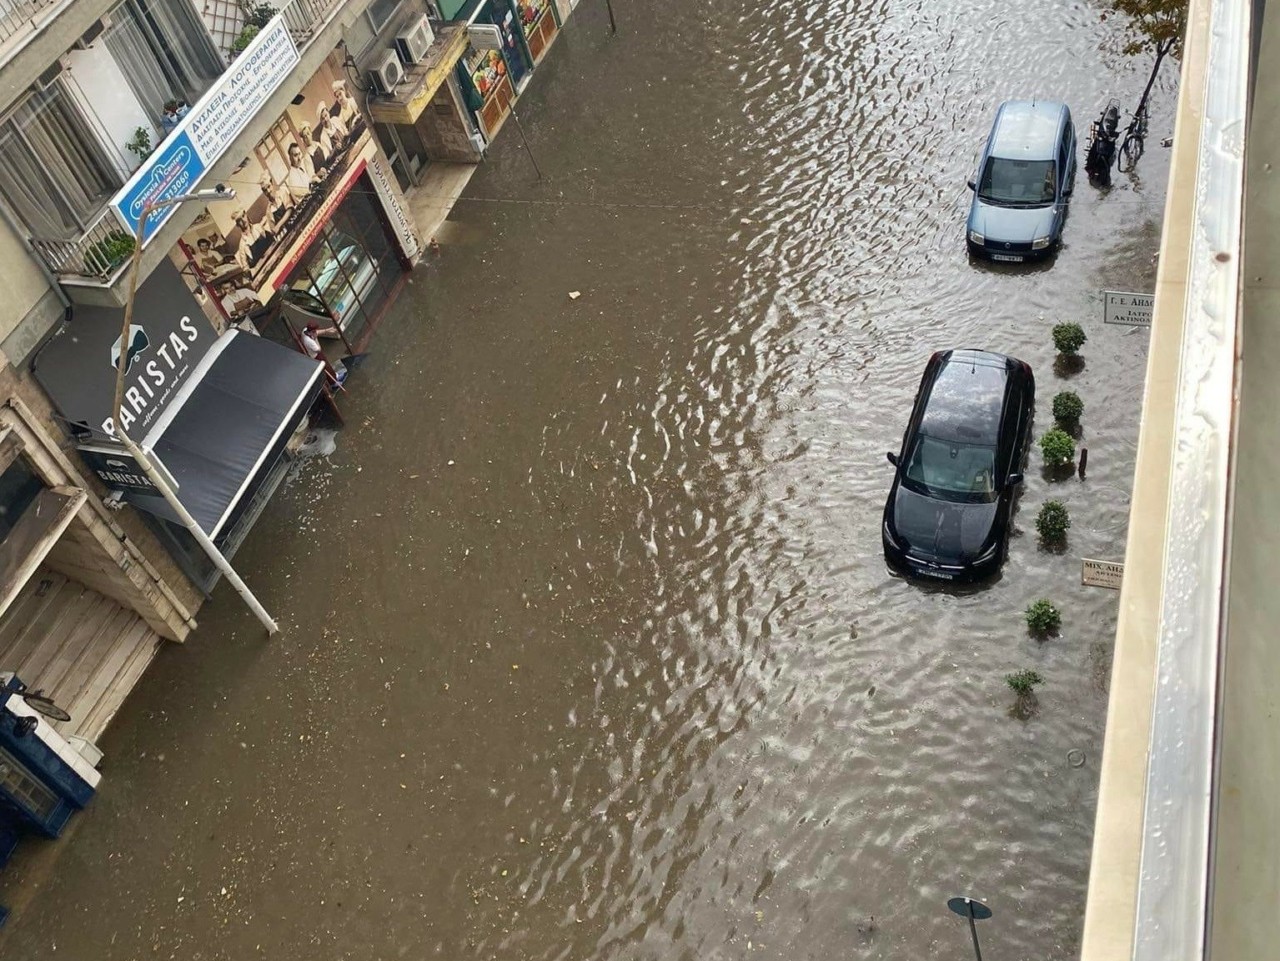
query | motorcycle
(1103,134)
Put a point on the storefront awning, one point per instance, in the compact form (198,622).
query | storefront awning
(229,422)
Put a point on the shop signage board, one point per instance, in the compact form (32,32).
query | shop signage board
(1127,308)
(169,335)
(209,127)
(401,222)
(117,468)
(484,36)
(1101,574)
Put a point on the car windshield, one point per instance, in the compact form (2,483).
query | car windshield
(952,471)
(1020,183)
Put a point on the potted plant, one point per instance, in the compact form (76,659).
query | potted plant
(105,255)
(140,143)
(242,41)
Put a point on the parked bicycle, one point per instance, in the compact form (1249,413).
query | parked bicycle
(1101,152)
(1135,140)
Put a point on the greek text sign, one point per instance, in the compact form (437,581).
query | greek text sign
(1130,309)
(401,222)
(1101,573)
(207,130)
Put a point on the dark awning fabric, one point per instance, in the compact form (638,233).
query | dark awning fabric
(235,412)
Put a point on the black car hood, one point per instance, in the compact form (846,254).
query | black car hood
(944,530)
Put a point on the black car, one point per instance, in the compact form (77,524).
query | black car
(961,463)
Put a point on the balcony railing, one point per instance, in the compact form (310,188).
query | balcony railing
(97,255)
(22,16)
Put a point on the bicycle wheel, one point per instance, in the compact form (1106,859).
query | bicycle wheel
(38,702)
(1130,151)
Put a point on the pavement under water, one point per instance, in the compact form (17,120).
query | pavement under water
(588,649)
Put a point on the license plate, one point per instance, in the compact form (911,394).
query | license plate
(941,575)
(1008,258)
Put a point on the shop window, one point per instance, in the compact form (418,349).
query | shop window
(19,487)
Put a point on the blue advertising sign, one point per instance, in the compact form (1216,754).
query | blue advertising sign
(209,127)
(172,170)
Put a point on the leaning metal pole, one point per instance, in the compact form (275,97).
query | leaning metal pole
(144,461)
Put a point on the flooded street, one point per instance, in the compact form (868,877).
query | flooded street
(589,650)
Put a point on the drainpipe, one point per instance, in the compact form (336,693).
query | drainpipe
(19,231)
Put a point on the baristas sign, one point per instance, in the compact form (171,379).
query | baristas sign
(169,335)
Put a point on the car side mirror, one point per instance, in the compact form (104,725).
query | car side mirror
(972,185)
(1015,480)
(892,457)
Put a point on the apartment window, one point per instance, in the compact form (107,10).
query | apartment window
(380,13)
(165,52)
(52,170)
(18,489)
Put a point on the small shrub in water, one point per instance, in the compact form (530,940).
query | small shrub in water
(1067,407)
(1068,338)
(1043,618)
(1023,683)
(1052,522)
(1058,448)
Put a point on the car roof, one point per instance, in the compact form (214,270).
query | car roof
(967,397)
(1027,129)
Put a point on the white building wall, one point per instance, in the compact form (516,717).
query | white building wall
(99,86)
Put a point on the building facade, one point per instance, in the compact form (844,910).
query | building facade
(326,118)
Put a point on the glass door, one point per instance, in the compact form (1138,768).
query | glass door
(352,268)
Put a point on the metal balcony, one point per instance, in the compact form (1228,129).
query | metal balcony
(98,256)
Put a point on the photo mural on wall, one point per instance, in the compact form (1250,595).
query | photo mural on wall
(287,188)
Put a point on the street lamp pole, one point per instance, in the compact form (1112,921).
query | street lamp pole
(144,461)
(974,911)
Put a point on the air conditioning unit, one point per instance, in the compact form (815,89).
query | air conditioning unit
(46,79)
(93,33)
(413,44)
(387,72)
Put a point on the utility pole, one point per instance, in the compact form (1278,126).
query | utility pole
(529,150)
(159,479)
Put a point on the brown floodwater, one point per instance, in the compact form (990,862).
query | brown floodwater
(589,649)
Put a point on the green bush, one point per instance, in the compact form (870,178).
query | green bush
(1067,407)
(239,44)
(1023,683)
(1068,338)
(257,14)
(108,253)
(1052,522)
(1057,447)
(1043,618)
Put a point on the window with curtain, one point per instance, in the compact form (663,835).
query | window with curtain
(52,170)
(165,50)
(380,11)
